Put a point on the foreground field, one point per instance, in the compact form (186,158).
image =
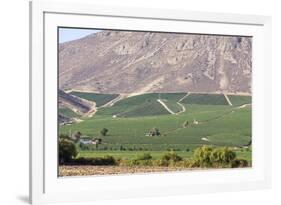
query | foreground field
(108,170)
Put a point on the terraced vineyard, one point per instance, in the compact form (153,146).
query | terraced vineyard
(173,106)
(240,100)
(136,106)
(174,97)
(205,99)
(171,99)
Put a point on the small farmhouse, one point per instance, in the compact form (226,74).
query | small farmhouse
(90,141)
(153,132)
(195,122)
(96,141)
(85,141)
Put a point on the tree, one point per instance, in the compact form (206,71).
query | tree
(67,151)
(64,136)
(171,156)
(202,156)
(98,141)
(122,148)
(185,124)
(154,132)
(104,131)
(77,136)
(222,156)
(207,156)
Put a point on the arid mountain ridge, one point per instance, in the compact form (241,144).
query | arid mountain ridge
(139,62)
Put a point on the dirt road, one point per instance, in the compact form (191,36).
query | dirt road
(165,106)
(227,99)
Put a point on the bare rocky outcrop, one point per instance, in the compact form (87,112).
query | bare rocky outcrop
(137,62)
(74,103)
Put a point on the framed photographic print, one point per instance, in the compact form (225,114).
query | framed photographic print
(129,102)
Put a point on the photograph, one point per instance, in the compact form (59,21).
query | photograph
(133,102)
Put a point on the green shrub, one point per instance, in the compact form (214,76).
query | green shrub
(193,164)
(171,156)
(185,124)
(202,156)
(169,159)
(207,156)
(135,162)
(183,163)
(122,148)
(222,155)
(239,163)
(144,156)
(162,163)
(64,136)
(106,160)
(77,136)
(104,131)
(67,151)
(144,159)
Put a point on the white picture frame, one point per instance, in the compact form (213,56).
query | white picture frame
(46,187)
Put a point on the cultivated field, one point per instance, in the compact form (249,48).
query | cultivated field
(241,153)
(196,120)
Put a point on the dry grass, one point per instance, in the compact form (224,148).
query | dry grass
(109,170)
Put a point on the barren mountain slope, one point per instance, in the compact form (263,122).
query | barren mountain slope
(132,62)
(74,103)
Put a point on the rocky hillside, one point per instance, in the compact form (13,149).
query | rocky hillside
(76,104)
(137,62)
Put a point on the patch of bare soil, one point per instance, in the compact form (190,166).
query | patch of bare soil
(107,170)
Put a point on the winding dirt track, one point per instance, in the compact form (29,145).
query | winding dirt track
(169,110)
(227,99)
(165,106)
(183,108)
(115,100)
(187,94)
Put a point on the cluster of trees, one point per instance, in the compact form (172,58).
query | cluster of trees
(104,131)
(207,156)
(154,132)
(203,157)
(68,153)
(77,136)
(67,145)
(102,161)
